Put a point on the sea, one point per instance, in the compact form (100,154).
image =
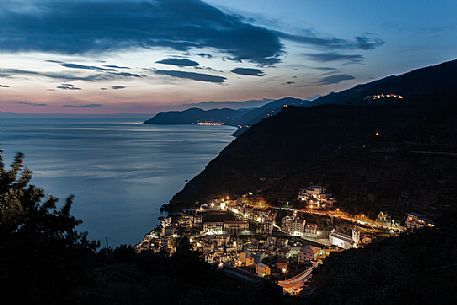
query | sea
(120,170)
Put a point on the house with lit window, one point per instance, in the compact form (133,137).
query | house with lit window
(262,270)
(233,226)
(416,221)
(213,226)
(308,253)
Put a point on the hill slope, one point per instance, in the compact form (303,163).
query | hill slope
(430,80)
(393,156)
(241,117)
(195,115)
(411,269)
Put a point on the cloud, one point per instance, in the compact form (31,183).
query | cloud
(55,61)
(32,104)
(67,87)
(248,71)
(98,26)
(83,106)
(77,66)
(335,79)
(360,42)
(116,67)
(228,104)
(205,55)
(85,67)
(328,57)
(124,75)
(366,43)
(118,87)
(180,62)
(324,68)
(71,76)
(192,75)
(109,25)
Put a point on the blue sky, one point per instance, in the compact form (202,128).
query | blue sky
(134,56)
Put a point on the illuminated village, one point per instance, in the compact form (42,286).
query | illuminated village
(384,96)
(253,240)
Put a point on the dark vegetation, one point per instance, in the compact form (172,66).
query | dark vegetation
(415,268)
(395,156)
(45,260)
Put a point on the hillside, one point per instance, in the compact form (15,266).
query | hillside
(195,115)
(411,269)
(425,81)
(243,117)
(390,155)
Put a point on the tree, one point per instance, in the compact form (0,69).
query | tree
(42,256)
(45,260)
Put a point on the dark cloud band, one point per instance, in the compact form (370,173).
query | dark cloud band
(83,106)
(68,87)
(192,75)
(108,25)
(112,24)
(248,71)
(32,104)
(335,79)
(180,62)
(7,73)
(329,57)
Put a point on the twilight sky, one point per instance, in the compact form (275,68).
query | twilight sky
(131,56)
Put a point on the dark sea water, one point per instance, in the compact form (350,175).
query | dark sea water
(120,171)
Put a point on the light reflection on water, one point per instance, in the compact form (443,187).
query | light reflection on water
(120,171)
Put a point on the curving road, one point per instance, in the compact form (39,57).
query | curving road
(295,284)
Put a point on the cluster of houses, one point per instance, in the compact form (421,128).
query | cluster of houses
(280,260)
(244,235)
(232,242)
(297,226)
(384,96)
(416,221)
(316,197)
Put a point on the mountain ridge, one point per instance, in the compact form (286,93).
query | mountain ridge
(362,150)
(409,86)
(242,118)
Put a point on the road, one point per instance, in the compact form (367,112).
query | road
(295,284)
(358,219)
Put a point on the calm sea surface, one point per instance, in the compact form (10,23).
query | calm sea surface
(120,171)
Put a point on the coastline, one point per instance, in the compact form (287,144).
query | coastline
(146,165)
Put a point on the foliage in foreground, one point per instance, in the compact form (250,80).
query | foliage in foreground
(45,260)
